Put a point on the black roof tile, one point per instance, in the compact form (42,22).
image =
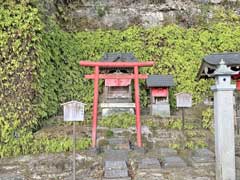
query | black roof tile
(160,81)
(119,57)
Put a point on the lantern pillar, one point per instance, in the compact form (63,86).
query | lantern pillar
(224,123)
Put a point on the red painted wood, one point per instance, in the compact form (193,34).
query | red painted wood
(160,92)
(137,107)
(95,107)
(120,76)
(117,82)
(96,76)
(238,84)
(116,64)
(236,76)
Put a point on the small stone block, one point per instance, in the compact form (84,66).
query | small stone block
(119,173)
(202,157)
(149,163)
(139,150)
(125,178)
(203,153)
(115,141)
(166,152)
(203,160)
(93,151)
(173,162)
(119,143)
(116,155)
(109,165)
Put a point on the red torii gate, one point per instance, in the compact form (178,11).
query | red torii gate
(96,76)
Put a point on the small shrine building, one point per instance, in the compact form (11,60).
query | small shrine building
(159,94)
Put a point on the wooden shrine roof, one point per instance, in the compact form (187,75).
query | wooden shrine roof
(118,57)
(210,63)
(160,81)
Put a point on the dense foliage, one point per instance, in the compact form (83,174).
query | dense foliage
(121,120)
(39,63)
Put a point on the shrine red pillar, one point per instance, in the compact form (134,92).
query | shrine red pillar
(95,106)
(137,107)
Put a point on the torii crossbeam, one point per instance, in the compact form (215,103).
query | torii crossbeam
(136,76)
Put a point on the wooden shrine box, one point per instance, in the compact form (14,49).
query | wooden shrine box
(117,93)
(159,94)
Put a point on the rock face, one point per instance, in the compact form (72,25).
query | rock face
(120,14)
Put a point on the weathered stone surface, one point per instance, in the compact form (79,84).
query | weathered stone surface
(237,162)
(161,109)
(125,178)
(174,162)
(116,173)
(109,165)
(202,178)
(149,175)
(203,152)
(119,143)
(113,108)
(165,152)
(116,155)
(149,163)
(11,177)
(202,157)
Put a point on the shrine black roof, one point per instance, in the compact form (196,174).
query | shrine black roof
(210,62)
(160,81)
(119,57)
(229,58)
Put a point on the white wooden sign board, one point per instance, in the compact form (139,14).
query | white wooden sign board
(73,111)
(184,100)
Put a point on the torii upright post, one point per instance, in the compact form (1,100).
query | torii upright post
(96,76)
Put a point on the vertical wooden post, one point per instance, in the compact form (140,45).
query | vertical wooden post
(74,150)
(183,118)
(95,106)
(137,107)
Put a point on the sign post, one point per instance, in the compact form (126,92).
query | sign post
(73,111)
(184,100)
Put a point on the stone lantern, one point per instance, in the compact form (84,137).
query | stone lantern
(224,123)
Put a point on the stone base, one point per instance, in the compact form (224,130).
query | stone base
(160,110)
(174,162)
(113,108)
(149,163)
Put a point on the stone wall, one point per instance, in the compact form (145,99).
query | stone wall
(120,14)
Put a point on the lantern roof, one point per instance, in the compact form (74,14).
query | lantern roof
(222,69)
(210,63)
(160,81)
(118,57)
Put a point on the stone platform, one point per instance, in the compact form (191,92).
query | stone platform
(113,108)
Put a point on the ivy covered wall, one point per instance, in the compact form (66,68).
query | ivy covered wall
(39,63)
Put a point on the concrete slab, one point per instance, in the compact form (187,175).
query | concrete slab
(174,162)
(109,165)
(116,173)
(149,163)
(166,152)
(116,155)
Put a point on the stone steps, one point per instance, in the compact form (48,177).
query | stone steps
(115,159)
